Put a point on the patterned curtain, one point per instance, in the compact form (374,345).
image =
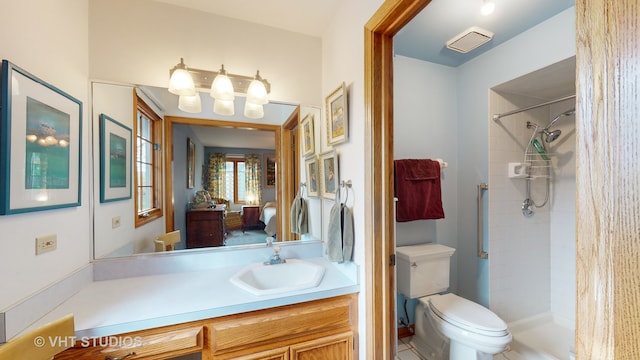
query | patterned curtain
(217,175)
(253,179)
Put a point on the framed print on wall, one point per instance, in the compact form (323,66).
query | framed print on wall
(313,176)
(115,160)
(269,170)
(40,144)
(337,116)
(329,174)
(191,164)
(308,136)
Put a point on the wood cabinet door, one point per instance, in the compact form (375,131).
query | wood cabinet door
(281,353)
(335,347)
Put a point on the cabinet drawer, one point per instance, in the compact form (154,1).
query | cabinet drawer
(205,215)
(280,325)
(159,345)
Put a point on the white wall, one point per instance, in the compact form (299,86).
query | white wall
(562,219)
(343,60)
(542,45)
(116,101)
(51,44)
(139,41)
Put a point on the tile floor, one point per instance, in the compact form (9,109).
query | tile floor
(407,352)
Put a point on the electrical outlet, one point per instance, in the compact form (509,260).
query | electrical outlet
(46,243)
(115,222)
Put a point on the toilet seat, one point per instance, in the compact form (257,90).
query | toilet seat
(467,315)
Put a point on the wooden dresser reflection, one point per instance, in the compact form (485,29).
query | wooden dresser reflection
(205,228)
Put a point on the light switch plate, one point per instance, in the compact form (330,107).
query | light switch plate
(115,222)
(46,243)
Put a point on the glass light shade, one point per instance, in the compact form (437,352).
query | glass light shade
(253,111)
(222,88)
(488,6)
(257,93)
(223,107)
(181,83)
(190,104)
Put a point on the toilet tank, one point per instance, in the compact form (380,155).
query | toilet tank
(423,269)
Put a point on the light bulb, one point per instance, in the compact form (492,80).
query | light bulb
(488,6)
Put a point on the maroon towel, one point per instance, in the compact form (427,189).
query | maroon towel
(418,190)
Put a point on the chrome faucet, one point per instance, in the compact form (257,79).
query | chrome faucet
(275,258)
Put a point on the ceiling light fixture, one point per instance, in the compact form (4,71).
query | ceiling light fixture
(488,6)
(222,86)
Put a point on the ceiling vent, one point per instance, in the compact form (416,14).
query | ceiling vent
(469,39)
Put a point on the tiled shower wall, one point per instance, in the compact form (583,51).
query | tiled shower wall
(531,260)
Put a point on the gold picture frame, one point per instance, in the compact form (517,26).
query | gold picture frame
(308,135)
(269,170)
(337,115)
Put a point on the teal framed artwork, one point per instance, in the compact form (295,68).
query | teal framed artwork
(115,160)
(40,144)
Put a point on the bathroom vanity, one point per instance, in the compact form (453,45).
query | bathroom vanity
(137,305)
(320,329)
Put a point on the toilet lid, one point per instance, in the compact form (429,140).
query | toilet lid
(467,314)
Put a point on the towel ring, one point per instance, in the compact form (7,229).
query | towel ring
(346,185)
(301,188)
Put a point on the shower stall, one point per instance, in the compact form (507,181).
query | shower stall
(531,210)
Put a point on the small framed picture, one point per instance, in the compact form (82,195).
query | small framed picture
(313,176)
(329,174)
(308,136)
(337,116)
(191,164)
(115,160)
(40,144)
(269,170)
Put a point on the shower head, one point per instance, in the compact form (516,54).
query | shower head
(551,136)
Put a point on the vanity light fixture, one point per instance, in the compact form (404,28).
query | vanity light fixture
(488,6)
(222,87)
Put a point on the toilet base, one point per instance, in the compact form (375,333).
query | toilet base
(426,340)
(461,351)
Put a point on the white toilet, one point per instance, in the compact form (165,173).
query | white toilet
(446,326)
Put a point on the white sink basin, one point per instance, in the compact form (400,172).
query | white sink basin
(294,274)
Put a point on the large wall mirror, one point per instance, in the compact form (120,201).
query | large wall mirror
(191,143)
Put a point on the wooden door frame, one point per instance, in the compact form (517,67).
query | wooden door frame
(379,224)
(289,188)
(608,243)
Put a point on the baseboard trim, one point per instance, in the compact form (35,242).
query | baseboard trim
(404,332)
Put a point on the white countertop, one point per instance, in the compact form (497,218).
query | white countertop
(109,307)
